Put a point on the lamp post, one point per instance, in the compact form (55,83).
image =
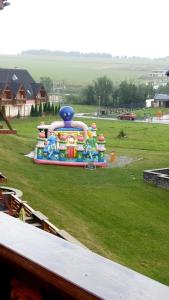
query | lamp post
(99,106)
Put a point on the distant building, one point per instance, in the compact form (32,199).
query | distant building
(18,91)
(161,100)
(149,102)
(158,74)
(54,98)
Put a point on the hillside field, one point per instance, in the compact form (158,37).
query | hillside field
(82,71)
(110,210)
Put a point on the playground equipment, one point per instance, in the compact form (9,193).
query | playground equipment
(10,130)
(70,143)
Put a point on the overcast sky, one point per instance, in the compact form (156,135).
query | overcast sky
(119,27)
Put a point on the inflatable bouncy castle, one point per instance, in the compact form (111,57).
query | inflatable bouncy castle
(69,143)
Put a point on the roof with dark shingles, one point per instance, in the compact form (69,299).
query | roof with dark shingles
(36,87)
(162,97)
(19,75)
(14,78)
(2,85)
(14,87)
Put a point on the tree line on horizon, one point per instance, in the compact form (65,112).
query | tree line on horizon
(47,52)
(64,53)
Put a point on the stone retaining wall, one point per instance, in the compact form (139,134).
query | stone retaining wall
(158,177)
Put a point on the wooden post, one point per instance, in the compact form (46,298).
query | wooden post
(5,119)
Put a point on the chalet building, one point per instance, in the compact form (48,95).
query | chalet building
(18,91)
(161,100)
(158,74)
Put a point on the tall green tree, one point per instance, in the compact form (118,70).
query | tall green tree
(47,83)
(88,95)
(163,89)
(123,92)
(59,106)
(32,112)
(44,107)
(103,87)
(150,90)
(132,95)
(52,109)
(56,110)
(40,109)
(48,108)
(36,113)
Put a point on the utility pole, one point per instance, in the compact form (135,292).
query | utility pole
(99,106)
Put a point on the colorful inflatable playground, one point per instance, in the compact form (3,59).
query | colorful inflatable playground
(69,143)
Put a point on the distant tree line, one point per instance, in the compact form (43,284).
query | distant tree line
(44,109)
(64,53)
(105,93)
(163,89)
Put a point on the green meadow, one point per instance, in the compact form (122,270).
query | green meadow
(111,210)
(82,71)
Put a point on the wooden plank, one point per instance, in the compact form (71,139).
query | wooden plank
(68,237)
(8,131)
(36,224)
(40,216)
(28,219)
(68,267)
(2,178)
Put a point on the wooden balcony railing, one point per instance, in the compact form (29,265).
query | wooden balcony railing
(2,178)
(14,206)
(5,101)
(41,100)
(18,101)
(37,265)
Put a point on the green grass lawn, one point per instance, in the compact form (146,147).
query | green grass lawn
(112,211)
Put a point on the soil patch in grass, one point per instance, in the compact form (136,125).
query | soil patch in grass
(120,161)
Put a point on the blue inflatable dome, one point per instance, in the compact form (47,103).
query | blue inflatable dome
(66,113)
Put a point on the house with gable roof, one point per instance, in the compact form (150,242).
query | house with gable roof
(18,91)
(161,100)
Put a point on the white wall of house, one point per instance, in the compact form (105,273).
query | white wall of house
(156,104)
(12,110)
(149,102)
(54,98)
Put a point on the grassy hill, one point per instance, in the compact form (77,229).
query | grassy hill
(111,210)
(82,71)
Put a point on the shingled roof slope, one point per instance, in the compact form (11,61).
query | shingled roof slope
(36,87)
(16,77)
(20,75)
(162,97)
(2,85)
(14,86)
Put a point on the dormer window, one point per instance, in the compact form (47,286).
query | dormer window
(14,77)
(28,91)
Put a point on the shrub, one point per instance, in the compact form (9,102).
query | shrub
(121,134)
